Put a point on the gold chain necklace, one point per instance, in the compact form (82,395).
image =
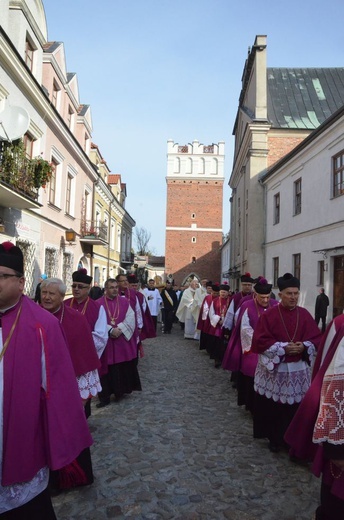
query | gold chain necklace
(291,340)
(8,339)
(115,315)
(84,307)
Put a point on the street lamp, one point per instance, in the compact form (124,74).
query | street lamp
(70,235)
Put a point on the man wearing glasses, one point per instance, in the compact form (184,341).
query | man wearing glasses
(37,379)
(93,312)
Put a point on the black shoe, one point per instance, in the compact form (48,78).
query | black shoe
(101,404)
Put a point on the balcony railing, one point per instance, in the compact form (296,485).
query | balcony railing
(94,233)
(21,176)
(127,258)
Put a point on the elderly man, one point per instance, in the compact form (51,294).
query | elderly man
(119,374)
(37,382)
(85,362)
(188,311)
(286,337)
(94,313)
(239,357)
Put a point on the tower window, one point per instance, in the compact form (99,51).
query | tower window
(193,240)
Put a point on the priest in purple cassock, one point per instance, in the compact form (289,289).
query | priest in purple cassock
(119,373)
(249,314)
(217,312)
(43,421)
(286,337)
(148,327)
(85,362)
(83,303)
(317,430)
(203,323)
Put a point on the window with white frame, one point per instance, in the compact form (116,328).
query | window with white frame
(52,181)
(193,240)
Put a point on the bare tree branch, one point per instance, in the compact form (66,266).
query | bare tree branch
(142,237)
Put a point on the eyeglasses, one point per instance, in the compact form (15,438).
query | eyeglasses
(4,276)
(79,286)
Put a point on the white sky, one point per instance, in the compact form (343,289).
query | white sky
(154,70)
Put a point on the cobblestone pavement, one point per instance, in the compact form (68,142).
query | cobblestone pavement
(183,449)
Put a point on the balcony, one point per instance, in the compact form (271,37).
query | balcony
(127,259)
(20,177)
(94,234)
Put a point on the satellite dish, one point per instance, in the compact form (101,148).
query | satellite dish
(14,122)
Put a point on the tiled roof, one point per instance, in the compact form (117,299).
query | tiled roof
(113,178)
(303,98)
(51,46)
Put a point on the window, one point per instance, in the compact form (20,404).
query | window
(193,215)
(67,269)
(214,167)
(29,52)
(275,268)
(28,145)
(193,240)
(68,193)
(55,94)
(297,197)
(52,182)
(297,265)
(338,175)
(193,260)
(51,262)
(321,270)
(70,118)
(202,165)
(277,208)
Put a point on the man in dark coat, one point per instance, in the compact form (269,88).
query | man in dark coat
(170,302)
(321,304)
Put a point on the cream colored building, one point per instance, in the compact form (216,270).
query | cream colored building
(52,221)
(278,108)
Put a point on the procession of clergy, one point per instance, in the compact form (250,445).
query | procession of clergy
(288,374)
(82,347)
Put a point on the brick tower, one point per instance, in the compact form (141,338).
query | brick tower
(195,175)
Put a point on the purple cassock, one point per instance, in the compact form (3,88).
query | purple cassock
(253,310)
(123,348)
(89,308)
(148,328)
(79,340)
(320,414)
(37,431)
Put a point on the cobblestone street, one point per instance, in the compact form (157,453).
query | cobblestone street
(183,449)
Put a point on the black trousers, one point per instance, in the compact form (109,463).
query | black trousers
(323,322)
(331,508)
(168,320)
(39,508)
